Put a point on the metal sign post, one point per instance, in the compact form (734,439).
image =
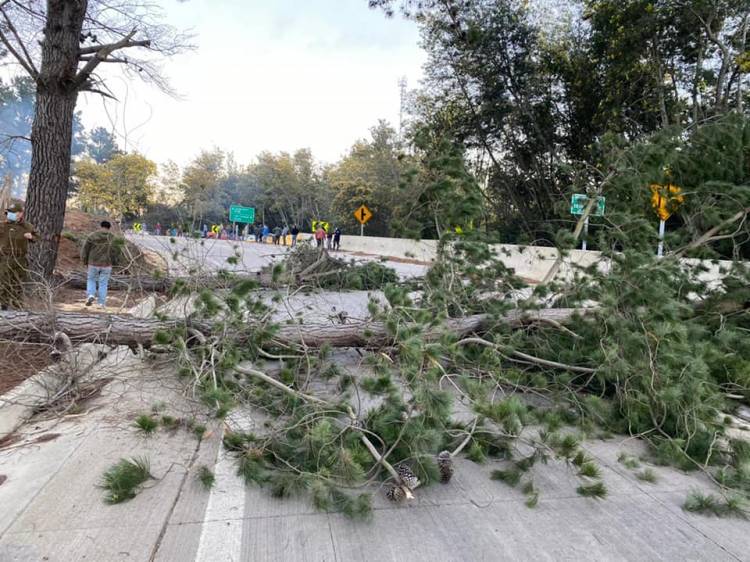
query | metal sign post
(585,234)
(578,204)
(660,248)
(665,199)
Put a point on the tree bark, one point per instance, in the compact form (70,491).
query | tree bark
(76,280)
(52,130)
(108,329)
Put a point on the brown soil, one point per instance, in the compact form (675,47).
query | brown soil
(78,225)
(21,361)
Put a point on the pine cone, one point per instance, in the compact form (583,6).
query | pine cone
(408,478)
(395,493)
(445,466)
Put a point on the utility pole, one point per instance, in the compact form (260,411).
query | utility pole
(402,85)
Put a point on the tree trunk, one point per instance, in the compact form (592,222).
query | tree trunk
(77,280)
(52,130)
(131,331)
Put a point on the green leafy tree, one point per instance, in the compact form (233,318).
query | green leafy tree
(201,181)
(102,145)
(294,191)
(369,175)
(122,187)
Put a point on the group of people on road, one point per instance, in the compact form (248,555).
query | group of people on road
(102,249)
(330,240)
(262,233)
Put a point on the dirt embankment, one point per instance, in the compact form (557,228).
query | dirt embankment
(78,225)
(22,360)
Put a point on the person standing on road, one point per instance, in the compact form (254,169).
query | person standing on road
(284,234)
(266,232)
(295,233)
(329,236)
(337,239)
(276,234)
(15,235)
(100,252)
(320,236)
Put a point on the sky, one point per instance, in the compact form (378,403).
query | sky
(273,75)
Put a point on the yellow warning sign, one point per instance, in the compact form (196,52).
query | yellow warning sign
(363,214)
(323,224)
(666,199)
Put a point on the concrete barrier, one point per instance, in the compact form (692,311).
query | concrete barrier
(529,262)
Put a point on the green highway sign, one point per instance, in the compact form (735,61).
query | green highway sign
(579,201)
(242,214)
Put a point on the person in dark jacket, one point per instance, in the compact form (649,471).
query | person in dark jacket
(15,235)
(295,233)
(337,239)
(100,252)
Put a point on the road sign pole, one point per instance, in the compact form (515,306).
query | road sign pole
(585,234)
(362,229)
(660,249)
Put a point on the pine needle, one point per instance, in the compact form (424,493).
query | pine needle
(647,475)
(532,500)
(123,479)
(597,490)
(146,424)
(206,477)
(590,470)
(709,504)
(511,476)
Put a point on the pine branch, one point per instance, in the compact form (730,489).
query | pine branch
(26,62)
(371,448)
(281,386)
(527,357)
(466,441)
(709,235)
(576,235)
(101,54)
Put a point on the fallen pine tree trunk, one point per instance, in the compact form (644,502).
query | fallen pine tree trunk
(41,327)
(77,280)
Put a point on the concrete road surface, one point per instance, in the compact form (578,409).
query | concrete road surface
(52,505)
(187,254)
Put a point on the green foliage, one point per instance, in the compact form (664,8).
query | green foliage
(510,413)
(597,490)
(367,277)
(628,461)
(590,470)
(199,430)
(206,477)
(532,500)
(121,186)
(710,504)
(123,479)
(146,424)
(647,475)
(511,476)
